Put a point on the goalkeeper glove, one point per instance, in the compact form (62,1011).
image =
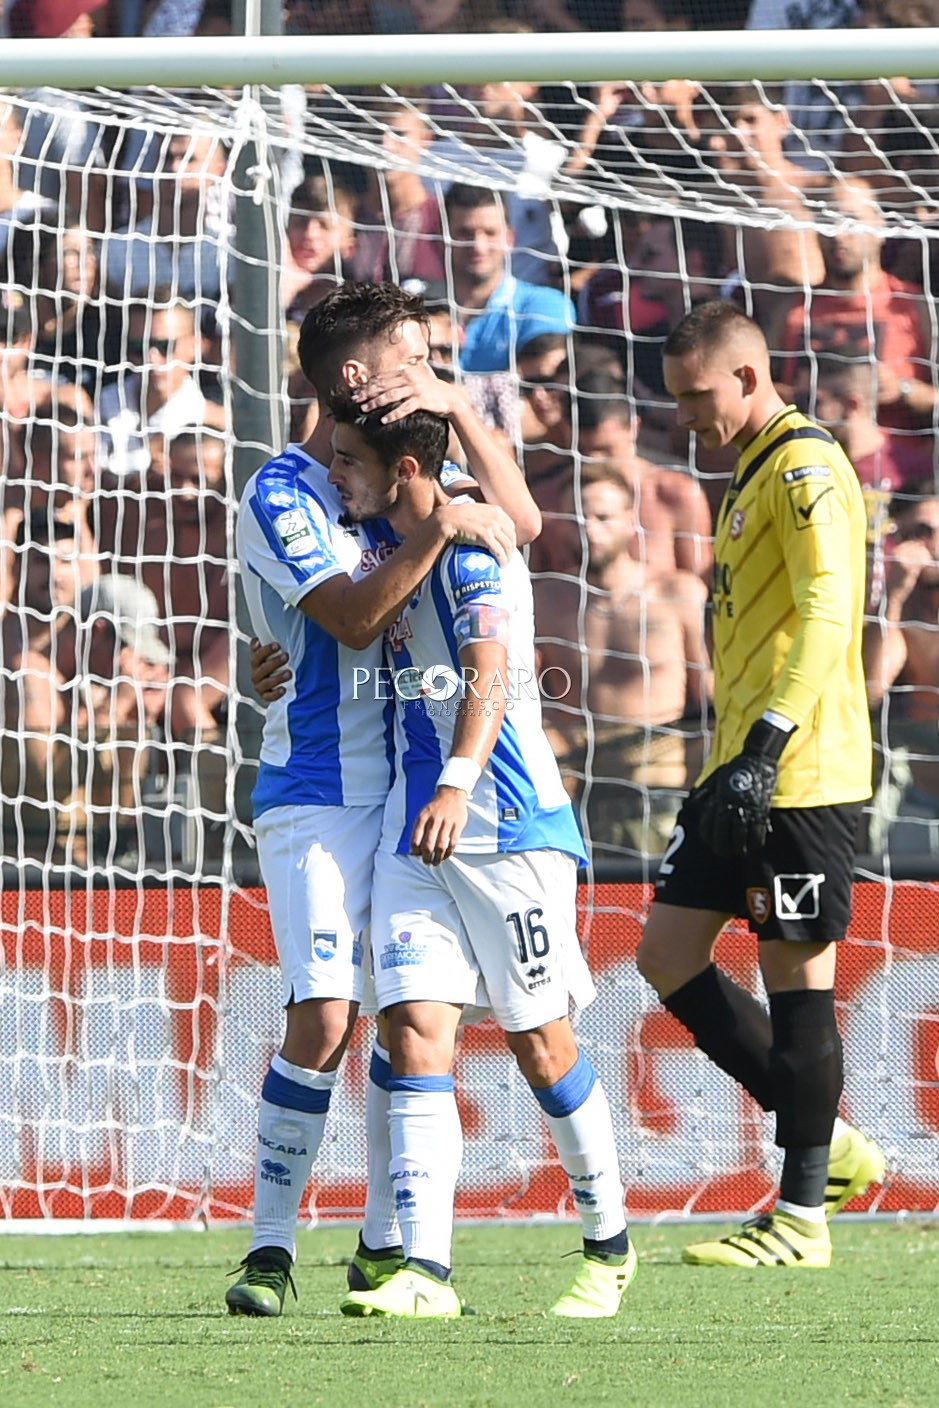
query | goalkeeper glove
(735,801)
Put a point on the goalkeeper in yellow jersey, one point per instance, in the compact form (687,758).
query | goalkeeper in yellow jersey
(768,832)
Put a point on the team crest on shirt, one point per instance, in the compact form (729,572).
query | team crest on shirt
(759,903)
(737,519)
(324,944)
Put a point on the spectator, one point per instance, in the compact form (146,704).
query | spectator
(845,402)
(59,477)
(328,17)
(544,403)
(22,393)
(304,407)
(818,111)
(400,234)
(860,303)
(163,398)
(656,16)
(60,154)
(162,18)
(901,658)
(673,521)
(123,675)
(499,313)
(39,653)
(632,643)
(320,241)
(17,206)
(881,108)
(497,135)
(749,155)
(184,554)
(58,269)
(178,245)
(672,265)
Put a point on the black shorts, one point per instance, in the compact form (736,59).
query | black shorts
(798,887)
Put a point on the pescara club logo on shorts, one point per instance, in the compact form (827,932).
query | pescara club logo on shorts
(759,903)
(324,944)
(737,519)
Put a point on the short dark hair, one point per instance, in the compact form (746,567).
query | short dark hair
(347,323)
(912,494)
(462,196)
(544,343)
(601,396)
(320,195)
(709,326)
(421,434)
(39,530)
(608,472)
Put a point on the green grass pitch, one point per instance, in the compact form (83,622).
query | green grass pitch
(137,1320)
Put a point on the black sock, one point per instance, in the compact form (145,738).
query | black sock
(805,1066)
(804,1175)
(608,1248)
(730,1026)
(379,1253)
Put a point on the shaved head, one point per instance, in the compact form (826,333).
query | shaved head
(718,332)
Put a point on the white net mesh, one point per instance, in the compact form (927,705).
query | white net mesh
(158,251)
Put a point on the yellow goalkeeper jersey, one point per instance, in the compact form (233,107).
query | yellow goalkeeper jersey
(788,610)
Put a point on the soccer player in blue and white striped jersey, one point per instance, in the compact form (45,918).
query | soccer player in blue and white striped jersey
(326,589)
(475,883)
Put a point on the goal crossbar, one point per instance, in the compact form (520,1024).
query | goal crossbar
(721,55)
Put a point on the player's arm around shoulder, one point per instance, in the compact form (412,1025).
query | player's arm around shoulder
(356,612)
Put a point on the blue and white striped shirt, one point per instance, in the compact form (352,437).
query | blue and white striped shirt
(326,742)
(519,803)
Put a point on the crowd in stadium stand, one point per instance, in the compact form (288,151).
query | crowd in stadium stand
(114,551)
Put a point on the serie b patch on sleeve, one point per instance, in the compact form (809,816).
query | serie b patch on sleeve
(811,504)
(295,533)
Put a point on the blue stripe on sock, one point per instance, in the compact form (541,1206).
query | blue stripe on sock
(418,1083)
(280,1090)
(379,1072)
(569,1093)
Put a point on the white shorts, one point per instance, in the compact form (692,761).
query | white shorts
(495,931)
(316,864)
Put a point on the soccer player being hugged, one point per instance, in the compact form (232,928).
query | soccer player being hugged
(768,831)
(326,590)
(475,882)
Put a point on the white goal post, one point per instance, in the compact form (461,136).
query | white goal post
(138,984)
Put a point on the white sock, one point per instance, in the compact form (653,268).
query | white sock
(582,1129)
(380,1223)
(291,1120)
(426,1153)
(839,1128)
(796,1210)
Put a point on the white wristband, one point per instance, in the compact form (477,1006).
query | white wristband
(460,772)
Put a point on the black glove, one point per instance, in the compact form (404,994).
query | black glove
(735,801)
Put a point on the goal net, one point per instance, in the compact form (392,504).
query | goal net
(158,248)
